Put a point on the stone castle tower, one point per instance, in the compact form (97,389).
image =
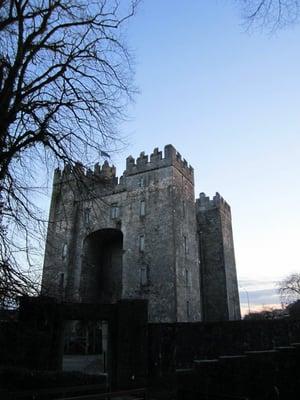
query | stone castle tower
(217,273)
(142,236)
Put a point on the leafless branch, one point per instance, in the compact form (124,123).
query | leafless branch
(65,82)
(270,14)
(289,289)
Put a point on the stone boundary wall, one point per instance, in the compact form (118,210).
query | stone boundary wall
(175,346)
(255,375)
(139,350)
(35,340)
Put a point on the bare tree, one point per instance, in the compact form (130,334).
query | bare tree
(267,313)
(289,289)
(270,14)
(65,80)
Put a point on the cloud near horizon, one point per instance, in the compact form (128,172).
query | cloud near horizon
(257,295)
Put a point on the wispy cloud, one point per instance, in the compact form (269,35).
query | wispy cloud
(254,285)
(262,296)
(258,294)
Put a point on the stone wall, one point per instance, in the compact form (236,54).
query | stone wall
(175,346)
(219,286)
(35,341)
(138,350)
(151,209)
(255,375)
(152,206)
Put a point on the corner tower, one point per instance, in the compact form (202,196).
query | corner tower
(219,288)
(163,266)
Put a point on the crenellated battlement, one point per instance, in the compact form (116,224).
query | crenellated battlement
(105,172)
(157,160)
(144,163)
(204,203)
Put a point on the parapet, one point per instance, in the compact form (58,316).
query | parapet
(103,173)
(144,163)
(157,160)
(204,203)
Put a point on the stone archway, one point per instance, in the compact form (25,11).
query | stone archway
(101,272)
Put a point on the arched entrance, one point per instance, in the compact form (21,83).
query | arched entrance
(101,272)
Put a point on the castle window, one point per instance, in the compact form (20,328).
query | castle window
(187,309)
(142,208)
(185,244)
(87,212)
(64,251)
(142,243)
(142,182)
(61,281)
(144,276)
(187,278)
(114,211)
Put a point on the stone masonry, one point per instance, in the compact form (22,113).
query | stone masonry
(216,250)
(141,237)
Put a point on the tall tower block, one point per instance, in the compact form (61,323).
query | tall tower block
(165,184)
(219,288)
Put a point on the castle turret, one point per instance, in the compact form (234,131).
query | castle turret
(171,158)
(219,288)
(69,222)
(164,268)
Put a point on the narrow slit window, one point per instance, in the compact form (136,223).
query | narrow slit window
(188,309)
(185,244)
(144,276)
(142,182)
(142,208)
(187,278)
(62,281)
(65,251)
(142,243)
(87,212)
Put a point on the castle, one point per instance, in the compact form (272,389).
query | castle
(142,236)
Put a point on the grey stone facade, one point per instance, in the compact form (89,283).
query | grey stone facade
(218,270)
(136,237)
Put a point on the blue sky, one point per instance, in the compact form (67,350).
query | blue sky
(229,101)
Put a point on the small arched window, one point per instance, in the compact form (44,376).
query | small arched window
(142,182)
(115,212)
(142,243)
(144,276)
(87,213)
(64,251)
(142,208)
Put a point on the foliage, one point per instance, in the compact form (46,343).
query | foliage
(294,309)
(267,313)
(270,14)
(65,81)
(289,289)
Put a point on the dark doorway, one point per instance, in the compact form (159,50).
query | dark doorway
(85,346)
(101,273)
